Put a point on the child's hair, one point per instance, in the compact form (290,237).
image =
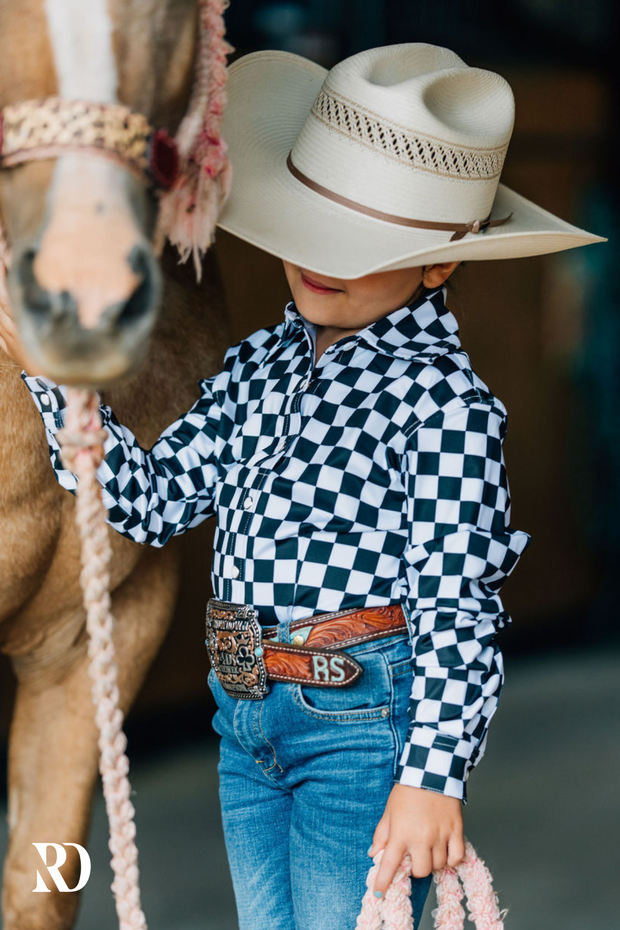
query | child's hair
(454,295)
(449,282)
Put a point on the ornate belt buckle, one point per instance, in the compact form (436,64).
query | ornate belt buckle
(234,645)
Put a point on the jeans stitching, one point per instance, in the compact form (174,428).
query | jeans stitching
(399,744)
(376,713)
(238,738)
(270,744)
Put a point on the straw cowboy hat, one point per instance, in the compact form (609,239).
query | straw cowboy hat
(391,159)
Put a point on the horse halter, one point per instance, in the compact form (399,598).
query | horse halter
(191,171)
(41,129)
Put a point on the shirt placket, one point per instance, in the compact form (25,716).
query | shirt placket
(260,472)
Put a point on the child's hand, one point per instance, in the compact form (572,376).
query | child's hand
(423,823)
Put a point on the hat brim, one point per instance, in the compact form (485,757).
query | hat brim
(269,97)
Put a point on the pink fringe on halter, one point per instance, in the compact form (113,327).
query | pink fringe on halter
(188,212)
(394,911)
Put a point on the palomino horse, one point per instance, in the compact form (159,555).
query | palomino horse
(85,288)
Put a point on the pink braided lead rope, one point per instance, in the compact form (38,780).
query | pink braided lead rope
(81,442)
(394,911)
(189,211)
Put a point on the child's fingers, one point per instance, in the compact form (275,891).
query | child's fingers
(439,855)
(381,834)
(391,859)
(456,850)
(421,861)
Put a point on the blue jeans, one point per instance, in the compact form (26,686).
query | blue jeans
(305,774)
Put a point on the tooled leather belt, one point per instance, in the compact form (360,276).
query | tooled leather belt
(245,655)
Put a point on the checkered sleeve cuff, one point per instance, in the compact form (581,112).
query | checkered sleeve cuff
(435,761)
(50,399)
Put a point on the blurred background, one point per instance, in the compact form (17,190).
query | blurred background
(544,333)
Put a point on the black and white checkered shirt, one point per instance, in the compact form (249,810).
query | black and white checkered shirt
(375,477)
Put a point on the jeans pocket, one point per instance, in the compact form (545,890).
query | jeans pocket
(368,698)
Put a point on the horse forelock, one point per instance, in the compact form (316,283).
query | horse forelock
(81,39)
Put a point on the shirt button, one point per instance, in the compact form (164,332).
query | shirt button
(45,400)
(235,571)
(248,502)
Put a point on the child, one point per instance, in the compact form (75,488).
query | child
(354,461)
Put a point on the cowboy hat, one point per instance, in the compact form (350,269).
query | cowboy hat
(390,160)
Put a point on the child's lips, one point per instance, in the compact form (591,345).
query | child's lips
(316,287)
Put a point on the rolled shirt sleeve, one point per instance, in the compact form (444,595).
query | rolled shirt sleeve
(151,495)
(460,551)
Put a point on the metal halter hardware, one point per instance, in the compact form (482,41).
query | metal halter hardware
(50,127)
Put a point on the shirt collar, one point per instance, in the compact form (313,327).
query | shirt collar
(422,330)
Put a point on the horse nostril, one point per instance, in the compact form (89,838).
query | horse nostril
(143,298)
(125,299)
(39,302)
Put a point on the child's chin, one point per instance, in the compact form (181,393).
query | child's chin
(319,309)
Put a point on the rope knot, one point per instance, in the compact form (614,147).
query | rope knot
(82,437)
(73,443)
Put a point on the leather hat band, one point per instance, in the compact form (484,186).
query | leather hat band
(459,229)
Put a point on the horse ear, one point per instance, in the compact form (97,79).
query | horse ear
(188,211)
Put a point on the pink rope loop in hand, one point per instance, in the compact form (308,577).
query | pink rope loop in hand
(81,442)
(394,911)
(481,898)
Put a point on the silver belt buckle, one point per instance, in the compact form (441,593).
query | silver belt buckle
(233,642)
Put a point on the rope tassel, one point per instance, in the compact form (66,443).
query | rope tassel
(394,910)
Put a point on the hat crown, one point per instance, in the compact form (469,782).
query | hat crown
(429,89)
(394,127)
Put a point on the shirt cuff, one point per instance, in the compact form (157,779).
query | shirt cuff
(50,399)
(436,761)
